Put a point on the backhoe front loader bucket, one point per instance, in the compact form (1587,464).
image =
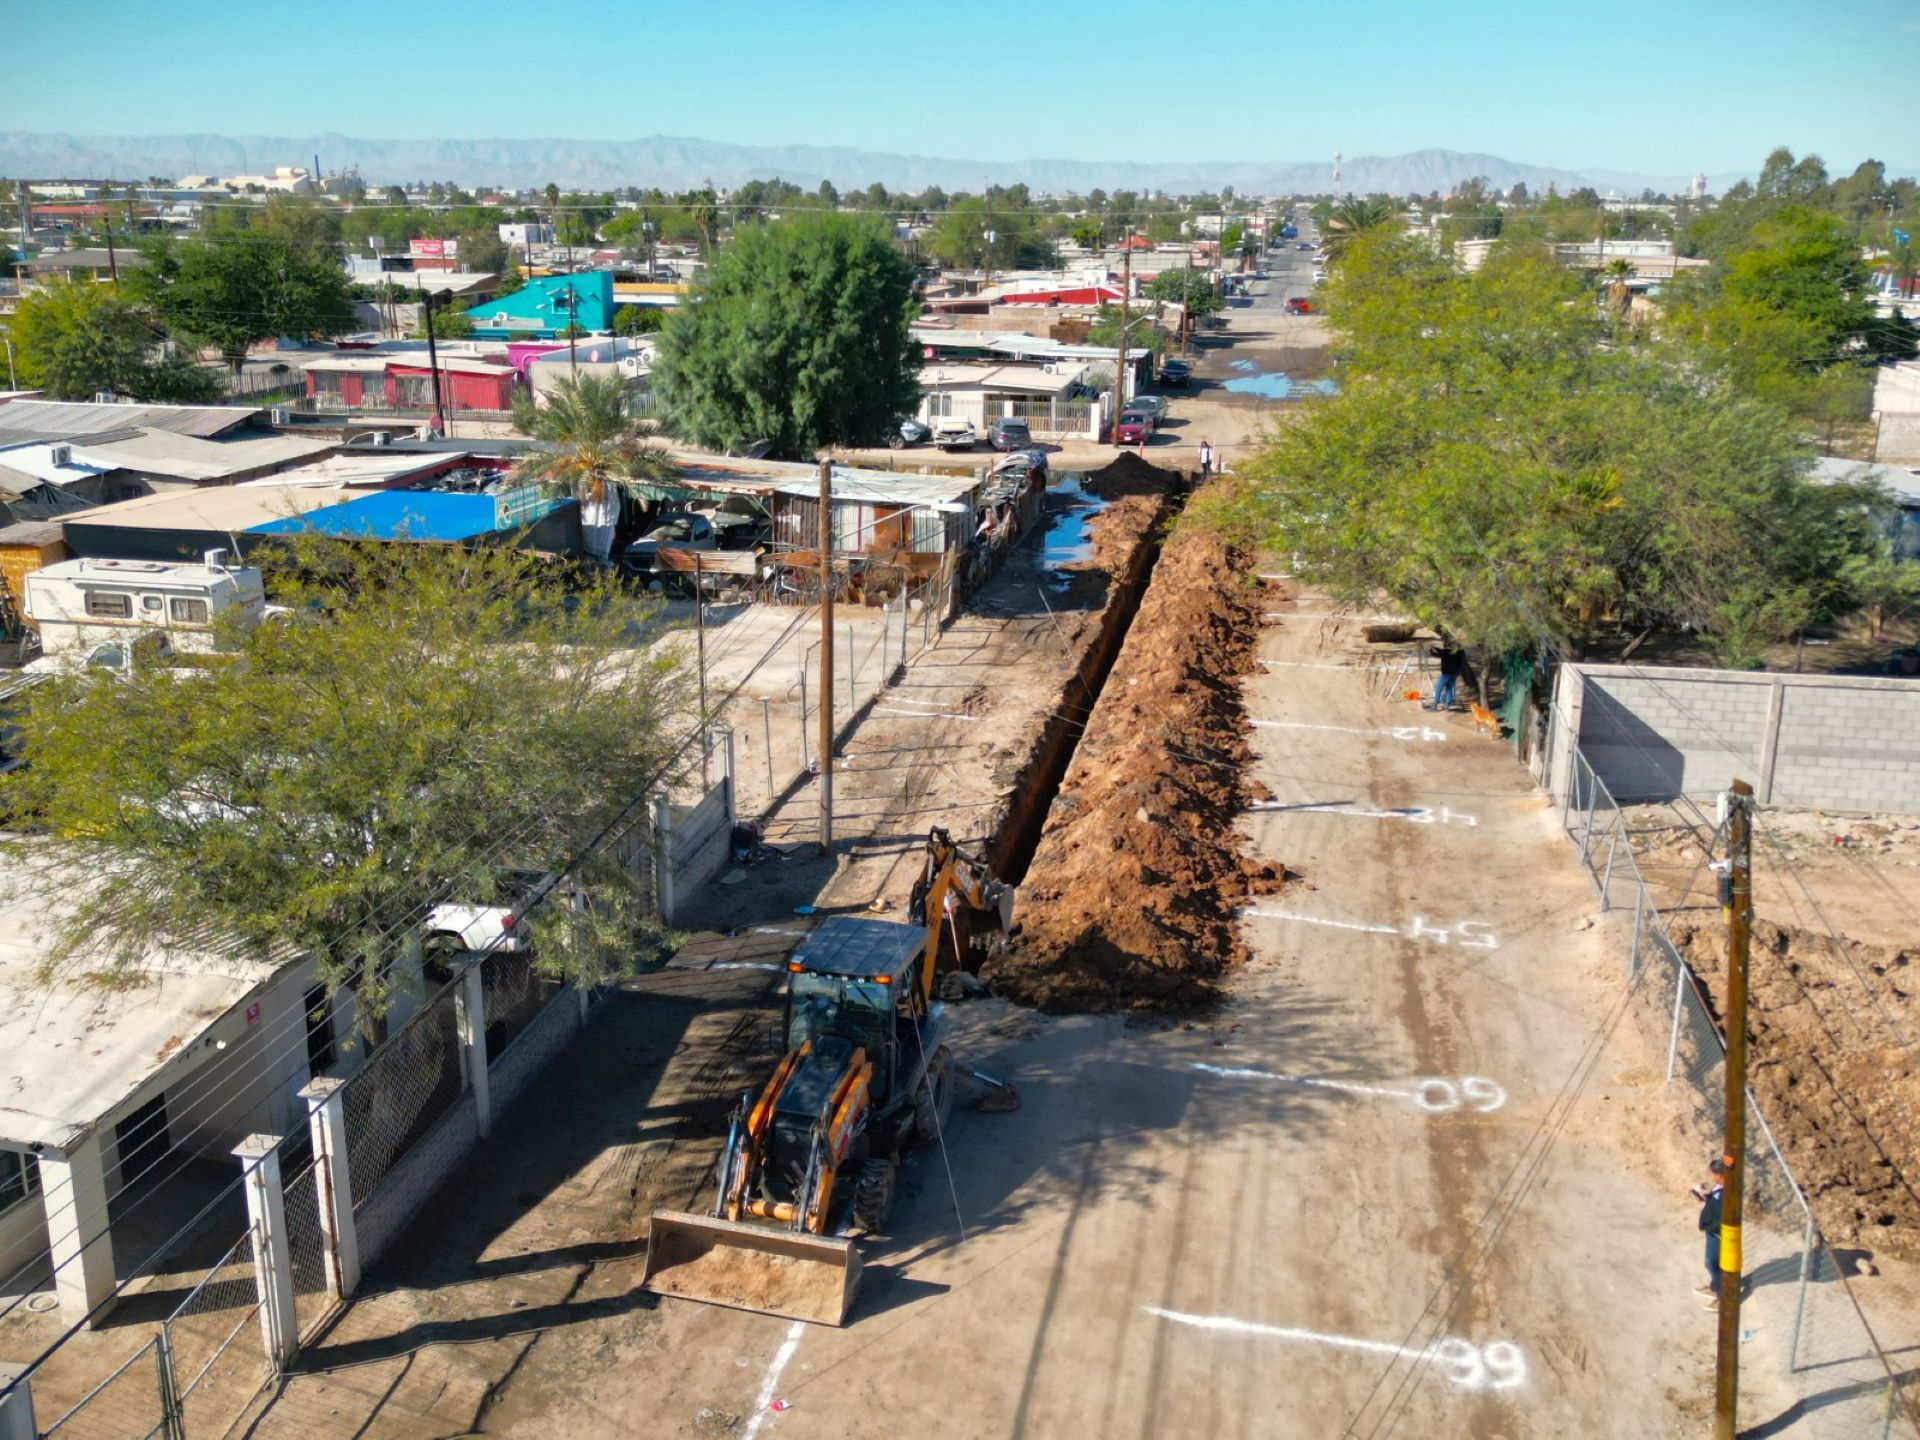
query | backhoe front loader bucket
(751,1267)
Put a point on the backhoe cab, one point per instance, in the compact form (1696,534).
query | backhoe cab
(865,1077)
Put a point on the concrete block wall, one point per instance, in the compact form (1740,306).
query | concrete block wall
(1818,741)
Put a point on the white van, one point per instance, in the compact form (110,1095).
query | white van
(79,605)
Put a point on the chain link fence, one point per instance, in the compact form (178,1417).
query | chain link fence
(130,1404)
(214,1345)
(1800,1312)
(406,1085)
(313,1296)
(513,994)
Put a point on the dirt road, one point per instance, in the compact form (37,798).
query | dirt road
(1363,1194)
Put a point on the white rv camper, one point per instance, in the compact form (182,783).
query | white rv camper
(81,605)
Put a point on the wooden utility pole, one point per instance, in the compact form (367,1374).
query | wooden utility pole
(1126,306)
(438,425)
(826,657)
(1737,907)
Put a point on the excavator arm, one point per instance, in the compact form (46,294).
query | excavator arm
(950,875)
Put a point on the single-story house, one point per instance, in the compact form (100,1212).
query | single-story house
(1042,395)
(108,1090)
(375,380)
(83,264)
(546,306)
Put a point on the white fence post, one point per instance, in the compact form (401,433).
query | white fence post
(470,1015)
(327,1120)
(259,1156)
(1679,990)
(663,854)
(16,1405)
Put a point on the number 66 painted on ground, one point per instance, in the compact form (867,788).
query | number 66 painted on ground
(1439,1097)
(1499,1363)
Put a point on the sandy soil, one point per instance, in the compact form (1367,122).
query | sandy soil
(1133,895)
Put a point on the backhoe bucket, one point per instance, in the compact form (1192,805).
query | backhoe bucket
(751,1267)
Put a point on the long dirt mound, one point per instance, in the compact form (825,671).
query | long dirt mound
(1829,1067)
(1131,899)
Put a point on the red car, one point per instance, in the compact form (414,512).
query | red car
(1299,305)
(1133,429)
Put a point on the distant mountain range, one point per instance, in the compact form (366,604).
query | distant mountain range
(677,162)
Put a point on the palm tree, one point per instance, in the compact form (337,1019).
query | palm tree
(595,452)
(1617,273)
(1353,217)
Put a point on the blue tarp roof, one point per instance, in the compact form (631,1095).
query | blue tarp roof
(405,515)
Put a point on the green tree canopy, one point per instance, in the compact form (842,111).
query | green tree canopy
(1502,463)
(435,718)
(1194,288)
(235,290)
(1352,217)
(638,320)
(75,339)
(796,333)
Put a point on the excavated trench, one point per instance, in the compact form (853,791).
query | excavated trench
(1120,825)
(1011,848)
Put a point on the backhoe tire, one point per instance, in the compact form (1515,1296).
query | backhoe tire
(933,1101)
(873,1196)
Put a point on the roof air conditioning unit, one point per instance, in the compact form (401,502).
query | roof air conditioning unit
(279,416)
(381,437)
(61,454)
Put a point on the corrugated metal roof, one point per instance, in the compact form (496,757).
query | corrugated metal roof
(213,507)
(58,419)
(190,458)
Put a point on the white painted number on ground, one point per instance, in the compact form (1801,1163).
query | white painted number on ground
(1495,1365)
(1471,934)
(1439,1097)
(1431,1093)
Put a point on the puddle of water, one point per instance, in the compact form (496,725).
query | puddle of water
(1277,385)
(1065,540)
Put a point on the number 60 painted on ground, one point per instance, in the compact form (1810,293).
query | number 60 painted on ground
(1440,1097)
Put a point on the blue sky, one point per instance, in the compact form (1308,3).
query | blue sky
(1667,87)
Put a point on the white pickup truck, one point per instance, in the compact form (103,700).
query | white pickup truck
(499,929)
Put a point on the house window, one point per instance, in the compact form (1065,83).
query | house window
(190,612)
(108,606)
(320,1052)
(939,406)
(19,1178)
(142,1139)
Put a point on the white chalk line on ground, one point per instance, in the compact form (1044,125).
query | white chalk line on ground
(1412,814)
(776,930)
(1305,665)
(925,714)
(725,965)
(1397,732)
(1432,1093)
(1496,1364)
(1472,934)
(771,1380)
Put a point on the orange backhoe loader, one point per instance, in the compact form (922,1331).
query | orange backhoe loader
(815,1156)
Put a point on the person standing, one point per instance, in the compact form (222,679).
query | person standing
(1453,662)
(1712,1196)
(1206,459)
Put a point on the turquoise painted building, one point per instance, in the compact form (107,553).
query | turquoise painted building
(543,308)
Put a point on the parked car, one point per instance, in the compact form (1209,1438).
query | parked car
(1154,405)
(677,529)
(739,521)
(1304,245)
(1134,428)
(952,434)
(1175,372)
(1007,433)
(1299,305)
(911,432)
